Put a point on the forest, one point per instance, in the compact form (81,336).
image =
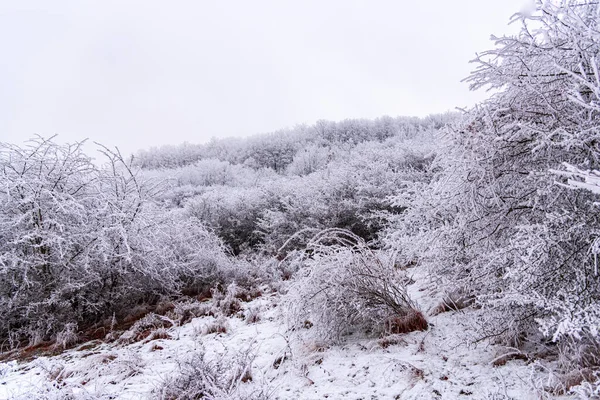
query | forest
(493,209)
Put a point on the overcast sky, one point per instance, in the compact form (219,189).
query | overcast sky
(136,74)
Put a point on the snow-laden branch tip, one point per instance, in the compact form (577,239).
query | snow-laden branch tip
(580,179)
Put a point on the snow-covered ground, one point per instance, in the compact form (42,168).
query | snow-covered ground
(435,364)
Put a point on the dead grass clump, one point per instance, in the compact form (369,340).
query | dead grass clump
(199,291)
(225,377)
(106,358)
(228,301)
(246,376)
(579,359)
(219,325)
(160,333)
(252,315)
(563,384)
(135,314)
(317,347)
(31,352)
(392,340)
(513,355)
(411,322)
(164,307)
(579,353)
(89,345)
(95,333)
(68,337)
(248,294)
(279,360)
(144,327)
(454,301)
(55,372)
(186,311)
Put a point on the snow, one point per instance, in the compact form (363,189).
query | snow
(436,364)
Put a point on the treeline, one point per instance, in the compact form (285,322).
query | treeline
(277,150)
(257,193)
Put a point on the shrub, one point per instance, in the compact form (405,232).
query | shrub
(79,243)
(345,286)
(351,192)
(233,213)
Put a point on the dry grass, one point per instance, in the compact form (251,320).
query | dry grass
(411,322)
(562,384)
(219,378)
(454,301)
(184,312)
(219,325)
(144,327)
(580,353)
(513,355)
(252,315)
(392,340)
(160,333)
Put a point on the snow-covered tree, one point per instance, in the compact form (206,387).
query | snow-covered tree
(493,218)
(79,242)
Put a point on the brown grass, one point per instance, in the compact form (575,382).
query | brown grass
(136,314)
(164,307)
(160,333)
(392,340)
(247,295)
(503,359)
(217,326)
(413,321)
(572,379)
(453,301)
(156,347)
(31,352)
(247,376)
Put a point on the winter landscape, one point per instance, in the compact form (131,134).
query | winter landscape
(453,256)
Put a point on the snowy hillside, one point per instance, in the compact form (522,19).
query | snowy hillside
(452,256)
(439,363)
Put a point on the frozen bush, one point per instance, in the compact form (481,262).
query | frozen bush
(310,159)
(345,287)
(351,192)
(80,243)
(233,213)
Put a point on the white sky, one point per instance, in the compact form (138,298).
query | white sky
(136,74)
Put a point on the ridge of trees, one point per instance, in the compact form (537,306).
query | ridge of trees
(277,150)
